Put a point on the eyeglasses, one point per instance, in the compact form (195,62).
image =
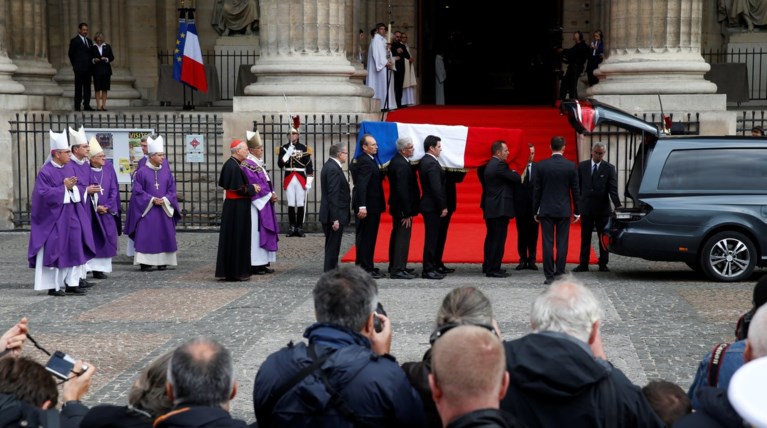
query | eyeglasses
(444,328)
(599,153)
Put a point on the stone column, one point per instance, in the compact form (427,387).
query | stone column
(109,18)
(654,49)
(7,67)
(28,47)
(303,57)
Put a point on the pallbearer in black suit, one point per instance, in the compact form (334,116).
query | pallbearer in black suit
(433,205)
(368,204)
(403,206)
(452,178)
(555,201)
(334,207)
(598,182)
(527,227)
(498,206)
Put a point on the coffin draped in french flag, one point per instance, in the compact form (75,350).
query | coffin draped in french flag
(463,147)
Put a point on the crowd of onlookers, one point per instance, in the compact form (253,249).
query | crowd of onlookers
(558,375)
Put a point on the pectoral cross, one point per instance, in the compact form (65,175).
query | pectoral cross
(157,185)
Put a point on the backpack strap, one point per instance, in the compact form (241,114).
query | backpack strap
(338,402)
(715,363)
(298,377)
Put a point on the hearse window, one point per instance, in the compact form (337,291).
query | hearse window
(715,169)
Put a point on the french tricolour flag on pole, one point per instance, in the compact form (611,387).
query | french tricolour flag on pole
(192,69)
(462,147)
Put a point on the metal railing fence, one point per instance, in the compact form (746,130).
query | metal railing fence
(227,65)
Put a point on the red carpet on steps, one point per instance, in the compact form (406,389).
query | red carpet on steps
(466,235)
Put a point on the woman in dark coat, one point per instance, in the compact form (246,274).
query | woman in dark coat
(146,401)
(102,56)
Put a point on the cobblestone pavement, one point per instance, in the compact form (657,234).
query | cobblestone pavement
(660,318)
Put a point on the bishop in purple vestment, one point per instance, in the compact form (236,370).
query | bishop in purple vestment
(105,203)
(61,241)
(264,228)
(154,212)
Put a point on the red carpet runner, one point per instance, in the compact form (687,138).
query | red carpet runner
(467,228)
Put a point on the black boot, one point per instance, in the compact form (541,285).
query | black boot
(300,223)
(292,221)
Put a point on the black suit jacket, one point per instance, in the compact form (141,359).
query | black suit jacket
(598,189)
(432,176)
(523,194)
(101,68)
(498,189)
(400,63)
(335,194)
(452,178)
(80,54)
(403,188)
(368,188)
(556,188)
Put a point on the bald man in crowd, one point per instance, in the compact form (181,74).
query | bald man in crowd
(468,378)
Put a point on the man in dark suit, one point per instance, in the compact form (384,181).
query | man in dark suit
(555,191)
(334,207)
(403,206)
(433,205)
(527,227)
(399,53)
(498,206)
(368,203)
(598,181)
(82,62)
(452,178)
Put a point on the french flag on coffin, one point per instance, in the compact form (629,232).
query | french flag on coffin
(192,68)
(462,147)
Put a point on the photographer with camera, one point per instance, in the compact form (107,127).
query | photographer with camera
(359,384)
(28,394)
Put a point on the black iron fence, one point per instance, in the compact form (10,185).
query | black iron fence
(622,145)
(318,133)
(756,66)
(747,120)
(199,198)
(228,66)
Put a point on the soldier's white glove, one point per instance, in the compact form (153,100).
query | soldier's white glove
(288,153)
(309,181)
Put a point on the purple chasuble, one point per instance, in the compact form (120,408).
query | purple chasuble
(105,225)
(155,232)
(83,173)
(60,228)
(268,229)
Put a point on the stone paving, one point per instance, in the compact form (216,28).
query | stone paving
(660,318)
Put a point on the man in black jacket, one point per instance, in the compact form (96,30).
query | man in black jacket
(403,206)
(334,207)
(82,63)
(575,58)
(498,206)
(399,53)
(527,227)
(560,376)
(555,190)
(433,205)
(468,378)
(201,385)
(344,376)
(368,203)
(598,181)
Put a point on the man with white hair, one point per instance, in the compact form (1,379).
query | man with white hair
(264,227)
(61,241)
(468,378)
(154,212)
(403,206)
(560,375)
(80,148)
